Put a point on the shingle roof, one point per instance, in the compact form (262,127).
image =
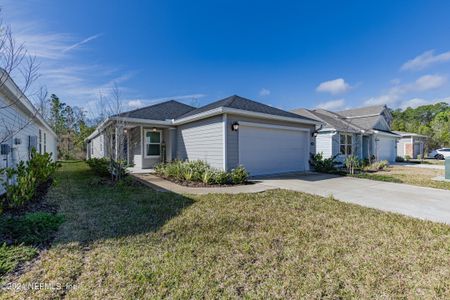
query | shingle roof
(363,111)
(162,111)
(241,103)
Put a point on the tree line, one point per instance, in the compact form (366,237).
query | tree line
(70,125)
(431,120)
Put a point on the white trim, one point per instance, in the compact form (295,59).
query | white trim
(145,143)
(225,122)
(142,121)
(270,126)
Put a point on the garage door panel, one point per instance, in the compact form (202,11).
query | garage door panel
(266,150)
(386,149)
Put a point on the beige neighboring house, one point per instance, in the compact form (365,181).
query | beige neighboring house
(21,126)
(411,144)
(226,133)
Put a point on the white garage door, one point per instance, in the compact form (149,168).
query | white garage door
(386,148)
(272,150)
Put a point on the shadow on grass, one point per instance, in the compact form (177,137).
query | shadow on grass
(95,209)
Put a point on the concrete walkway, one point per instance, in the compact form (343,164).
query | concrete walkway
(419,202)
(162,185)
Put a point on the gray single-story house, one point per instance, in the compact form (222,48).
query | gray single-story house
(410,144)
(227,133)
(364,132)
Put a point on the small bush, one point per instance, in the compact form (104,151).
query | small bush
(239,175)
(221,177)
(407,157)
(325,165)
(378,166)
(352,163)
(399,159)
(99,165)
(32,228)
(200,171)
(22,182)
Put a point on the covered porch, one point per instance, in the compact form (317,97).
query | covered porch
(143,145)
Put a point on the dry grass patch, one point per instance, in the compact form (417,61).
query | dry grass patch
(131,242)
(417,176)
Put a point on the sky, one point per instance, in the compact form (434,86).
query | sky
(287,54)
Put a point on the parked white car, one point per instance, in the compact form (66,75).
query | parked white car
(440,153)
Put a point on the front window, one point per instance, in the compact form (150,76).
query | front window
(346,147)
(152,143)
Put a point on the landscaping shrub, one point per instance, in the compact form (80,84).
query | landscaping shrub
(407,157)
(399,159)
(239,175)
(352,163)
(378,166)
(99,165)
(22,182)
(221,177)
(325,165)
(200,171)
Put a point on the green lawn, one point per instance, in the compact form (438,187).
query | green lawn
(130,242)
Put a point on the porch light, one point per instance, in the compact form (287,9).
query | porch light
(125,130)
(154,129)
(235,126)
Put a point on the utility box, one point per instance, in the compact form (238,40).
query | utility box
(447,168)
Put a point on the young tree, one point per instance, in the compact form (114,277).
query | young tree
(15,64)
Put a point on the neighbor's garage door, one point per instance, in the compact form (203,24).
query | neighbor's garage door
(386,148)
(272,150)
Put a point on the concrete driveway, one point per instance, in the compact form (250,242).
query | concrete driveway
(419,202)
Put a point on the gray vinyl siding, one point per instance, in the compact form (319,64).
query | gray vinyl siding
(97,146)
(233,136)
(202,140)
(324,144)
(16,128)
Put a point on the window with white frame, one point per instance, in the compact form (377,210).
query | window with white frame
(152,143)
(346,147)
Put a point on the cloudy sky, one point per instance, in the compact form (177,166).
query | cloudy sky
(287,54)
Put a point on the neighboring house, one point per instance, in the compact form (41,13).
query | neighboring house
(226,133)
(21,126)
(411,144)
(364,132)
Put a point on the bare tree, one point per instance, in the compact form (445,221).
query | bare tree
(114,131)
(17,68)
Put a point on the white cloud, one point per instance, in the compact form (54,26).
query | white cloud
(77,45)
(428,82)
(395,93)
(334,87)
(425,60)
(332,105)
(135,103)
(264,92)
